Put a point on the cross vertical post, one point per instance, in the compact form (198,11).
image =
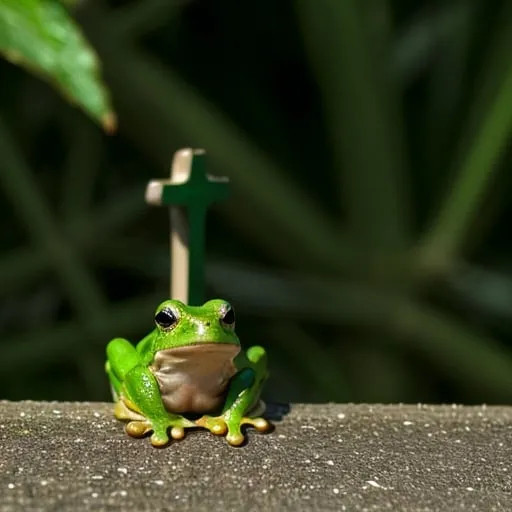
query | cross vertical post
(189,193)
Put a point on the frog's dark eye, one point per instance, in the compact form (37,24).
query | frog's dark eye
(165,318)
(229,317)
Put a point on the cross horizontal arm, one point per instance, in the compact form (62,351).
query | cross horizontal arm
(192,194)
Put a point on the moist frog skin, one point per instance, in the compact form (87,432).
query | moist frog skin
(189,366)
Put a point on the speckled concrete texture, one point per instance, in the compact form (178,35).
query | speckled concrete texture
(75,456)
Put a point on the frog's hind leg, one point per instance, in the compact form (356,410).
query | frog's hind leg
(138,425)
(137,396)
(244,405)
(123,412)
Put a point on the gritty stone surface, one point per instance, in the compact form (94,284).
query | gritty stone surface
(75,456)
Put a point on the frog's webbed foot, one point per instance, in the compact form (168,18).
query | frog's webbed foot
(160,436)
(215,424)
(235,437)
(220,425)
(138,425)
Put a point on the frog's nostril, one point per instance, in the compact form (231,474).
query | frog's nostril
(207,324)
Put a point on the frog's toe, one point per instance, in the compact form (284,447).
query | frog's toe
(260,424)
(177,432)
(138,428)
(219,429)
(235,438)
(158,440)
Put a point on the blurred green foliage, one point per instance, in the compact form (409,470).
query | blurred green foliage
(40,35)
(366,243)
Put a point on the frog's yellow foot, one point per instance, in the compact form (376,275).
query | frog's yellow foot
(235,436)
(215,424)
(138,428)
(218,425)
(159,437)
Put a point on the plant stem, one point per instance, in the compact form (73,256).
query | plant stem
(81,168)
(362,110)
(81,288)
(486,133)
(451,226)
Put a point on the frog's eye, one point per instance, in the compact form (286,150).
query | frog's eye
(166,318)
(229,317)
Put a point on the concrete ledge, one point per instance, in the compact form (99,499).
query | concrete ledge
(75,456)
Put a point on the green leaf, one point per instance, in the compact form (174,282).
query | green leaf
(41,36)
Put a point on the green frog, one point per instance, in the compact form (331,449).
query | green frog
(188,372)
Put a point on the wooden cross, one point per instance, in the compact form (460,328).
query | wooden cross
(189,192)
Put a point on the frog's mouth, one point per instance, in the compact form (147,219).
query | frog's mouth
(202,355)
(203,347)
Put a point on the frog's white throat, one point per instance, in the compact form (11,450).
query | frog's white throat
(193,378)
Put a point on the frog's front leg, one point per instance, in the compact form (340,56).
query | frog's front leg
(137,396)
(243,405)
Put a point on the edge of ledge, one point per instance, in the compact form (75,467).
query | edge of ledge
(276,411)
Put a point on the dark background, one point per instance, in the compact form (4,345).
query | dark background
(366,243)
